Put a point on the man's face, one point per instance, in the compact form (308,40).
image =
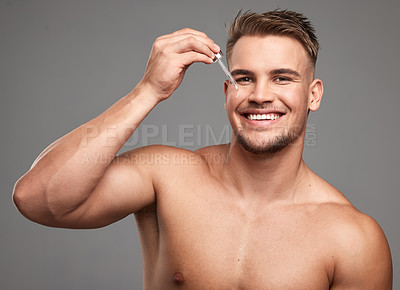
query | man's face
(276,91)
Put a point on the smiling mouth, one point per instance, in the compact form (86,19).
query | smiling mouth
(263,117)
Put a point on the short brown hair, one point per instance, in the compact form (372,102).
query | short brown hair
(276,22)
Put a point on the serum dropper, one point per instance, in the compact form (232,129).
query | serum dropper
(217,58)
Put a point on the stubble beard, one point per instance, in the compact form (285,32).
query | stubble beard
(269,146)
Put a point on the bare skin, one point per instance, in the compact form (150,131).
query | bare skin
(221,217)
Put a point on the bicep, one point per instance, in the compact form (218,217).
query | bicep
(126,187)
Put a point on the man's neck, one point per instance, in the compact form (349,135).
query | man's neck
(274,176)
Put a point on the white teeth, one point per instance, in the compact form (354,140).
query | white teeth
(262,117)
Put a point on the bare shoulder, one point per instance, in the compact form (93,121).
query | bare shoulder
(160,155)
(166,163)
(360,250)
(215,154)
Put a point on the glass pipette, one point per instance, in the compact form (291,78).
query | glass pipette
(217,58)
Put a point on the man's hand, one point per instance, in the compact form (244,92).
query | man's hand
(171,56)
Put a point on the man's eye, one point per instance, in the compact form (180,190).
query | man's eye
(282,79)
(243,80)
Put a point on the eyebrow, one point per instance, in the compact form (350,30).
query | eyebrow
(241,72)
(273,72)
(285,71)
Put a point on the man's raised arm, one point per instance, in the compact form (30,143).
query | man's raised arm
(78,182)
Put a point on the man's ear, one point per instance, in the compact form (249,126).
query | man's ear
(226,84)
(315,94)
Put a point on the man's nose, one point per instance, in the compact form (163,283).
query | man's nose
(261,93)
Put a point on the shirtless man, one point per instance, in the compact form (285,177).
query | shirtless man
(244,215)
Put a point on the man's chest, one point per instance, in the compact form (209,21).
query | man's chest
(232,247)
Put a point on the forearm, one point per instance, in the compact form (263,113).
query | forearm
(65,174)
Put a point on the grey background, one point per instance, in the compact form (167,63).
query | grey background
(64,62)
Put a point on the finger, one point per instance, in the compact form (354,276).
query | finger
(191,57)
(175,37)
(192,44)
(185,31)
(184,43)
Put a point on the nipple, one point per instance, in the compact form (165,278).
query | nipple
(178,278)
